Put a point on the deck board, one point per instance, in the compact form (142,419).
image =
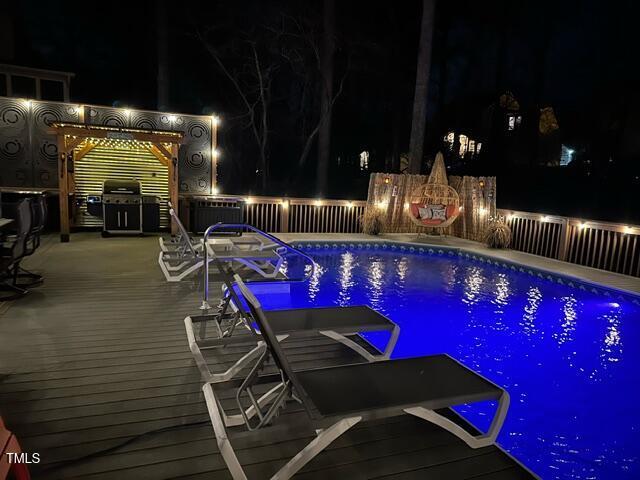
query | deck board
(98,355)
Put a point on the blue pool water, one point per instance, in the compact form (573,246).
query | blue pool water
(569,357)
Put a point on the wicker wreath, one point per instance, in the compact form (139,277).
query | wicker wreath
(434,204)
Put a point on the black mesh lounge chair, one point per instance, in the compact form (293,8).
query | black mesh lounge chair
(338,323)
(337,398)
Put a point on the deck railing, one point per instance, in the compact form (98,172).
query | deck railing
(302,215)
(607,246)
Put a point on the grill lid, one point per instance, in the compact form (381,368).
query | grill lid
(121,187)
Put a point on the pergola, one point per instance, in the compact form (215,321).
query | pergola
(75,140)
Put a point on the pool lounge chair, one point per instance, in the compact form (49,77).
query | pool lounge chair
(265,259)
(341,324)
(188,257)
(337,398)
(179,241)
(184,260)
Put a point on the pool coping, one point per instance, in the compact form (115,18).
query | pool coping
(562,278)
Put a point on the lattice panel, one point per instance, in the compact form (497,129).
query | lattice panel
(15,153)
(104,163)
(44,146)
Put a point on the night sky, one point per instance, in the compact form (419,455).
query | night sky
(576,56)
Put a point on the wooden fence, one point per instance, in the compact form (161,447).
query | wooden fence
(391,192)
(607,246)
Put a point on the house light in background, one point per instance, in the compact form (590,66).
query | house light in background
(364,160)
(464,143)
(566,156)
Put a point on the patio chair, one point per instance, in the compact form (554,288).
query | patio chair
(39,214)
(337,398)
(14,250)
(341,324)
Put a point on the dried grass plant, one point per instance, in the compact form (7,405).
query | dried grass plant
(497,234)
(372,221)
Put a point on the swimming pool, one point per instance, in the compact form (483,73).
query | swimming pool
(568,353)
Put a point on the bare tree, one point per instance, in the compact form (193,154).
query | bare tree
(326,93)
(291,46)
(419,120)
(252,82)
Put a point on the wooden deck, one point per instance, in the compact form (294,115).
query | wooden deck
(96,376)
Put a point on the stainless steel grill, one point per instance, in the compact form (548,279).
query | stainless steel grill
(122,206)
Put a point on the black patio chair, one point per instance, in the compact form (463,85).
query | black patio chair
(39,213)
(14,250)
(337,398)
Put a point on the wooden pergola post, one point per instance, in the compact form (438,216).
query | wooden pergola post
(173,185)
(63,185)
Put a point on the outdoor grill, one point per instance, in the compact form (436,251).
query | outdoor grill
(122,206)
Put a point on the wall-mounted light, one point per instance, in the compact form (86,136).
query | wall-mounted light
(387,180)
(248,200)
(215,153)
(172,118)
(382,205)
(628,229)
(215,120)
(285,204)
(350,205)
(482,211)
(582,226)
(544,218)
(318,203)
(215,191)
(510,217)
(127,112)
